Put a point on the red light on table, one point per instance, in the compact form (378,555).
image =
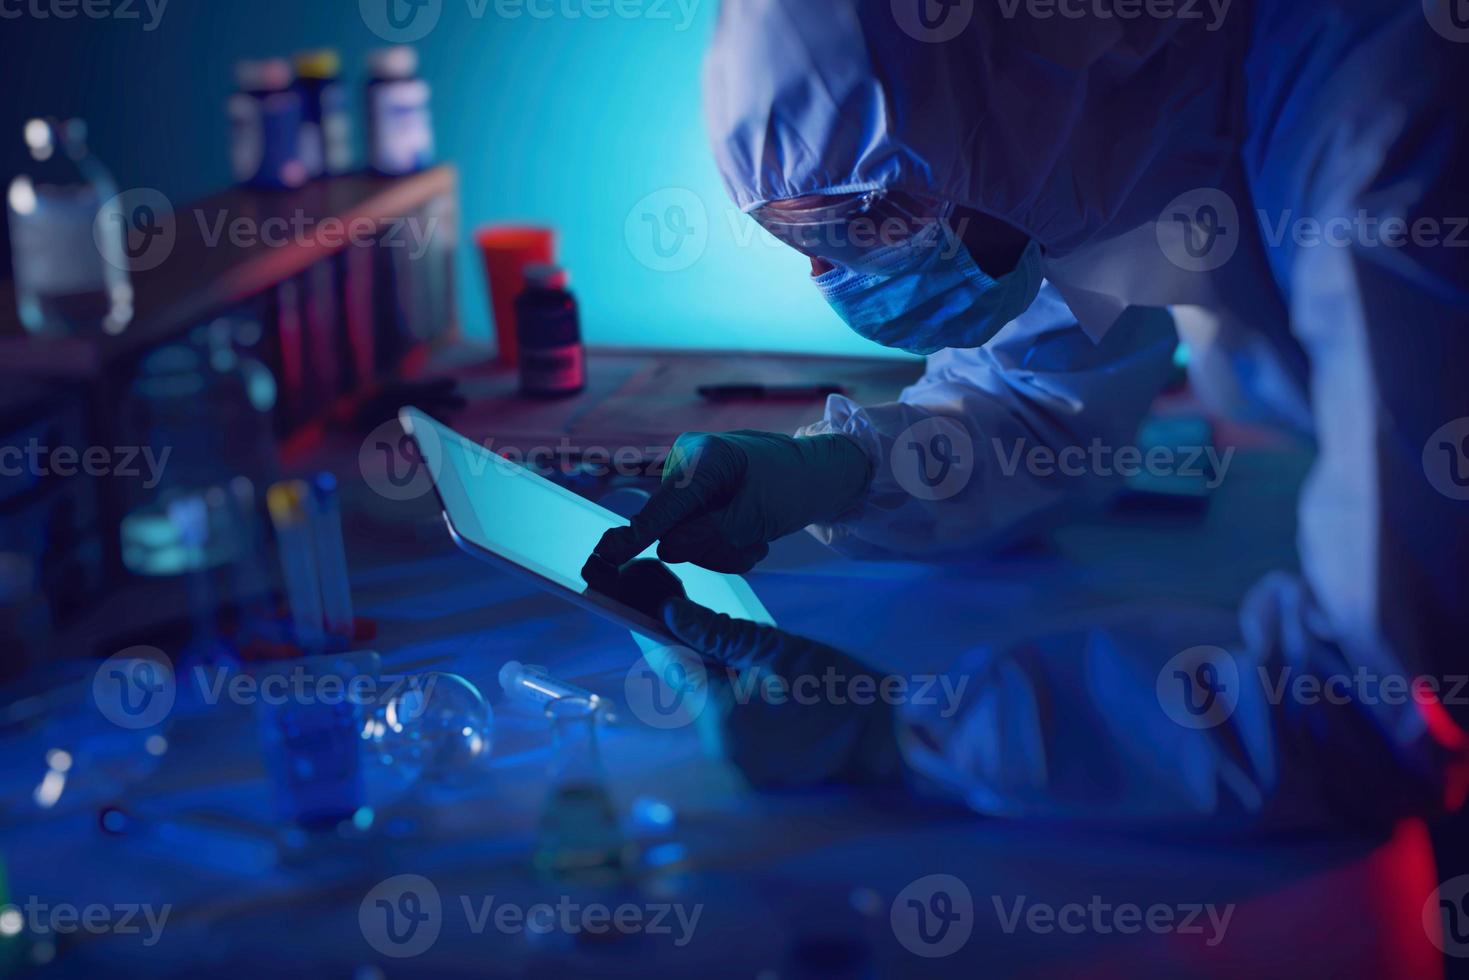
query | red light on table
(507,250)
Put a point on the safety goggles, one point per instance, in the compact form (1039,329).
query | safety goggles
(844,228)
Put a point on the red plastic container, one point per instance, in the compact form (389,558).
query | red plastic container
(507,250)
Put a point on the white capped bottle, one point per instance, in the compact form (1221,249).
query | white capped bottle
(68,237)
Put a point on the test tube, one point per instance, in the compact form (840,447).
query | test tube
(286,502)
(531,683)
(324,513)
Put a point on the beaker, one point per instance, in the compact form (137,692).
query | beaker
(579,831)
(311,741)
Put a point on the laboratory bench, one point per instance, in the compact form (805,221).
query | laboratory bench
(784,884)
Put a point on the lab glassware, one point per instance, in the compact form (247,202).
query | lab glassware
(68,236)
(312,744)
(579,833)
(528,682)
(437,724)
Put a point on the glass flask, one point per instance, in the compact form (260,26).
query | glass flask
(437,726)
(579,833)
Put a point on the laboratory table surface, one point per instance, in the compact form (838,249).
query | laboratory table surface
(790,884)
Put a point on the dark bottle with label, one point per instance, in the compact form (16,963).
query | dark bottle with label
(265,123)
(552,358)
(326,125)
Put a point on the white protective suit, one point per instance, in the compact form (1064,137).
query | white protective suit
(1238,171)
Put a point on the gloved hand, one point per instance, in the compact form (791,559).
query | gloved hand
(829,724)
(725,497)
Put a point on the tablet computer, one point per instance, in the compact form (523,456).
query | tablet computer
(503,513)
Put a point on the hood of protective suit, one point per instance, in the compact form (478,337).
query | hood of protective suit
(1079,132)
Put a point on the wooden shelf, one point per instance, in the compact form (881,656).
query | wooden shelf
(201,278)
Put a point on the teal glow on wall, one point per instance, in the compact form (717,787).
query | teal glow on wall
(581,114)
(595,127)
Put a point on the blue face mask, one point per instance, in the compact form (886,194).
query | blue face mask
(925,294)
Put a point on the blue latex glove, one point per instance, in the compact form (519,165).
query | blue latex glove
(804,736)
(725,497)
